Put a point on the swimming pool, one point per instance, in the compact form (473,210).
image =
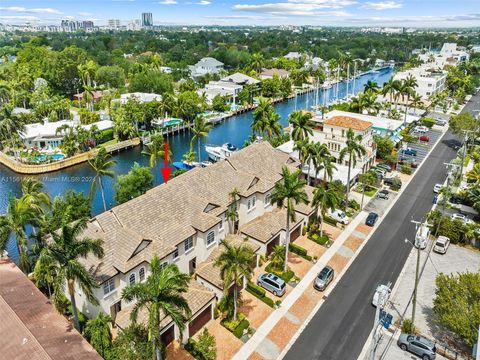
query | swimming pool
(172,122)
(55,157)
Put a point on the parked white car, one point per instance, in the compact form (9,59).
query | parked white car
(458,216)
(420,129)
(422,236)
(383,290)
(441,245)
(436,188)
(339,216)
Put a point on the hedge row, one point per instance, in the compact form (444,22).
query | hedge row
(265,299)
(238,332)
(321,240)
(330,221)
(286,276)
(300,251)
(257,290)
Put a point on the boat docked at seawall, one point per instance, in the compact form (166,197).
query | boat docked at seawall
(220,152)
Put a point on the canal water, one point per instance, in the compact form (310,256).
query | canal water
(234,130)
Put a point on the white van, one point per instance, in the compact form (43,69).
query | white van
(339,216)
(421,238)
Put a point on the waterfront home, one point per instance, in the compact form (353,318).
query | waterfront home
(293,55)
(429,80)
(332,131)
(270,73)
(46,135)
(450,54)
(240,79)
(96,96)
(229,90)
(139,96)
(183,223)
(31,327)
(379,63)
(207,65)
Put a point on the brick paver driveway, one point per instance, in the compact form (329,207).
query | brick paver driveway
(227,343)
(254,309)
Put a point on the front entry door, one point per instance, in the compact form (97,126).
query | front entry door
(192,265)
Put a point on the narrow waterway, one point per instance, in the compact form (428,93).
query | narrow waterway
(234,130)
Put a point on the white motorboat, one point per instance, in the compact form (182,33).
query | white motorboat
(220,152)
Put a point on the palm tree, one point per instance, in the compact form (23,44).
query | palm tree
(189,156)
(161,295)
(389,88)
(235,263)
(156,149)
(288,192)
(302,124)
(417,101)
(200,129)
(101,164)
(232,211)
(322,159)
(272,125)
(11,126)
(65,250)
(277,257)
(34,194)
(371,85)
(324,199)
(98,332)
(19,214)
(353,149)
(474,174)
(303,148)
(260,116)
(408,88)
(257,62)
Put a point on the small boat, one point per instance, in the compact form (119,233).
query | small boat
(216,152)
(183,165)
(206,163)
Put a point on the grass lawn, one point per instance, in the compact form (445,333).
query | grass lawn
(370,191)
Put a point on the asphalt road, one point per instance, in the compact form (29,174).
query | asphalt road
(340,328)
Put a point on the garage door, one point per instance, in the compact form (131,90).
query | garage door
(272,244)
(168,335)
(295,233)
(200,320)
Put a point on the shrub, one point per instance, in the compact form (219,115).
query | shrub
(104,136)
(203,349)
(396,183)
(265,299)
(406,169)
(321,240)
(408,327)
(297,250)
(428,122)
(255,289)
(353,204)
(238,332)
(286,276)
(232,324)
(330,221)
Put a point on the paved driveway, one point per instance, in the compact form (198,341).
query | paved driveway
(378,205)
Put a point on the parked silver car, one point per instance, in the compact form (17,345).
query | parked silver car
(324,278)
(418,345)
(272,283)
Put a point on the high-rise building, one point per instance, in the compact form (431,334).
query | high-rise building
(147,19)
(113,23)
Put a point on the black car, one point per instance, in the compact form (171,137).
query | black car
(371,219)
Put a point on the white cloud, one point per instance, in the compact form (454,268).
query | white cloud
(168,2)
(203,2)
(20,9)
(291,8)
(423,20)
(85,14)
(243,17)
(382,5)
(19,17)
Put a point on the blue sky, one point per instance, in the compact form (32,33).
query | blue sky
(416,13)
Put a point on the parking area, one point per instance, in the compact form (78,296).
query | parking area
(379,205)
(457,259)
(421,148)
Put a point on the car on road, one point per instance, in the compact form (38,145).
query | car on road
(324,278)
(436,188)
(441,245)
(339,216)
(418,345)
(386,167)
(371,219)
(441,122)
(420,129)
(381,290)
(424,138)
(409,151)
(383,194)
(272,283)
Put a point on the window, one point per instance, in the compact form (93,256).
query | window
(131,279)
(249,204)
(164,265)
(343,133)
(108,286)
(268,198)
(141,274)
(210,238)
(175,254)
(254,200)
(220,226)
(188,244)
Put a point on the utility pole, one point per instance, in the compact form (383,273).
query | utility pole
(417,268)
(376,336)
(465,144)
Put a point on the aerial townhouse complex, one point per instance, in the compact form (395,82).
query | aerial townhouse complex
(183,222)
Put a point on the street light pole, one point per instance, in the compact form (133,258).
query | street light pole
(417,269)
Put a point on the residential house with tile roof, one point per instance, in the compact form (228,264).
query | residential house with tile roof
(183,222)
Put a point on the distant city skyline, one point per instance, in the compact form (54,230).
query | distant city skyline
(372,13)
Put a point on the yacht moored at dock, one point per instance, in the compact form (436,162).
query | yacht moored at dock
(220,152)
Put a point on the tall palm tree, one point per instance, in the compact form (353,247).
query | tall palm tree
(34,194)
(98,332)
(200,129)
(232,211)
(156,149)
(323,160)
(235,263)
(324,199)
(11,127)
(353,149)
(389,88)
(189,156)
(162,295)
(65,250)
(257,61)
(101,164)
(408,88)
(371,85)
(288,192)
(303,148)
(301,123)
(260,116)
(417,101)
(474,174)
(277,257)
(19,214)
(272,125)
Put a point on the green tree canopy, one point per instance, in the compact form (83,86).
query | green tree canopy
(138,180)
